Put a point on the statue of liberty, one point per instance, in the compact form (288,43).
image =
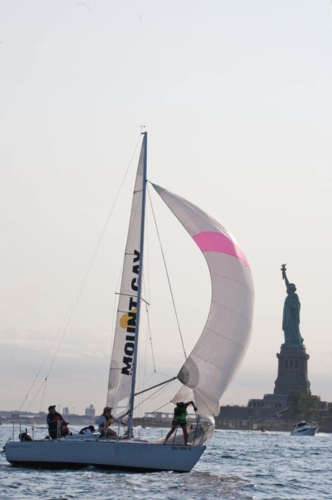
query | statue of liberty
(291,314)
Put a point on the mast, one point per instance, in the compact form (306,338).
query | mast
(139,286)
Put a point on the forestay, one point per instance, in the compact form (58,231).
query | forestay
(221,347)
(121,368)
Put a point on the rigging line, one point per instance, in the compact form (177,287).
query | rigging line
(138,371)
(42,400)
(163,388)
(150,337)
(168,278)
(114,318)
(164,374)
(146,289)
(31,386)
(38,372)
(147,380)
(168,375)
(33,399)
(156,373)
(80,289)
(146,277)
(149,397)
(141,366)
(93,258)
(157,385)
(145,356)
(162,406)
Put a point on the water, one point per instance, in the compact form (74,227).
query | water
(237,465)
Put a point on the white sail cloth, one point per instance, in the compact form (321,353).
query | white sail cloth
(221,347)
(120,376)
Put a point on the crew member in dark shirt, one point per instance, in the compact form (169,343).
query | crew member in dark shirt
(53,418)
(180,418)
(88,431)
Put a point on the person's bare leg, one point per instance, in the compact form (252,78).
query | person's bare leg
(170,433)
(185,435)
(110,432)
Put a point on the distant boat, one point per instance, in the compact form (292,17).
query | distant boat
(205,374)
(303,429)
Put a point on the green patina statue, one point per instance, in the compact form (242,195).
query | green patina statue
(291,315)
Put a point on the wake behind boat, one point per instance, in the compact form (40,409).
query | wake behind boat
(205,374)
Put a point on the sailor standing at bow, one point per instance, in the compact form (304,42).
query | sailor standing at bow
(180,418)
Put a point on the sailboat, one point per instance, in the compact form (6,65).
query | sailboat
(205,374)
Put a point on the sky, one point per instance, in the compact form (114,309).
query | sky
(236,98)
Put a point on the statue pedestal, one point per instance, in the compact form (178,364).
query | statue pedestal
(292,370)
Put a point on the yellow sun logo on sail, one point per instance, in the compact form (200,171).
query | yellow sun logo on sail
(126,317)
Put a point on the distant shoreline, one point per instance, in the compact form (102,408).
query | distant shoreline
(166,423)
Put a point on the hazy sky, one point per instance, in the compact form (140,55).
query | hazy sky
(236,96)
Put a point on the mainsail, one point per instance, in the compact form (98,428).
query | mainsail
(125,341)
(221,347)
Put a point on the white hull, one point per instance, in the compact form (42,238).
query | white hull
(304,430)
(127,455)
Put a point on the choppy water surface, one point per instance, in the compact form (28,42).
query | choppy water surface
(237,465)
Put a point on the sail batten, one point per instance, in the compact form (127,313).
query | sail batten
(220,349)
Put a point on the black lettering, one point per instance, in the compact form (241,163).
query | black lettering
(136,269)
(134,286)
(129,348)
(126,370)
(132,303)
(132,320)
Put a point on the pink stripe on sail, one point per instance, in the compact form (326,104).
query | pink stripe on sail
(209,241)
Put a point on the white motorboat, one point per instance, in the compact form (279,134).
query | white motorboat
(303,429)
(205,374)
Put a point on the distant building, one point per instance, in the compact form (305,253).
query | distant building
(164,415)
(159,415)
(272,401)
(65,410)
(90,411)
